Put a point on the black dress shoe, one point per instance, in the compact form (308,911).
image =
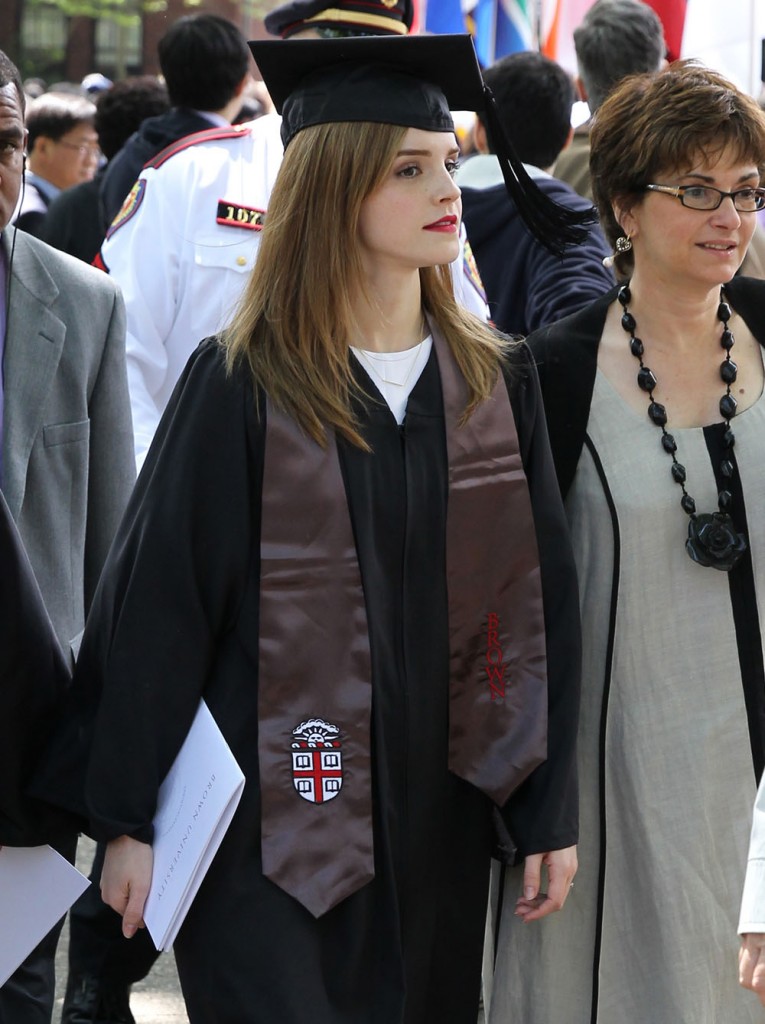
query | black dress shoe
(87,1001)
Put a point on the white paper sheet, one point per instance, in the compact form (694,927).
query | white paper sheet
(37,887)
(196,803)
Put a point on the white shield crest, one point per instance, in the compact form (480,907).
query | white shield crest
(317,761)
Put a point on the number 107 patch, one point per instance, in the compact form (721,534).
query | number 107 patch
(234,215)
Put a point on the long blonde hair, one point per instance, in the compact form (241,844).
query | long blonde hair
(295,321)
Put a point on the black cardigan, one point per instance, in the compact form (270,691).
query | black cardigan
(566,354)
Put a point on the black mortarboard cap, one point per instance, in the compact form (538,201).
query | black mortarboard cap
(412,81)
(363,17)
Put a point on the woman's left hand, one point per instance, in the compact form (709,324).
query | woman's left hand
(751,963)
(125,880)
(561,868)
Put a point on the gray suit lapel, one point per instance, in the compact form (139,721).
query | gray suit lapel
(33,345)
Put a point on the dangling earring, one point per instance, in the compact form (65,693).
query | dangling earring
(623,244)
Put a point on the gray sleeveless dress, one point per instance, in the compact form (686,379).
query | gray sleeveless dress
(648,935)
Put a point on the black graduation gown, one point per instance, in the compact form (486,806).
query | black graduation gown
(176,617)
(34,678)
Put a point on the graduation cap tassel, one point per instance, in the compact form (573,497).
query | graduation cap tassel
(555,226)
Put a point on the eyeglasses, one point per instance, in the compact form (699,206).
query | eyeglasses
(704,197)
(83,148)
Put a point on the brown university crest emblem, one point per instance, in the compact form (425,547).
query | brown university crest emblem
(317,761)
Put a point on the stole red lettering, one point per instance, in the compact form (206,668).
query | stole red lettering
(495,665)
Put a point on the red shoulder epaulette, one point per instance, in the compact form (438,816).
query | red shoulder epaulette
(234,131)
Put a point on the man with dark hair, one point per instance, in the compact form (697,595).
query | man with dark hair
(123,107)
(204,60)
(66,466)
(535,96)
(526,286)
(76,221)
(62,152)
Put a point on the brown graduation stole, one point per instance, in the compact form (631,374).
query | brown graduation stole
(315,685)
(315,677)
(497,654)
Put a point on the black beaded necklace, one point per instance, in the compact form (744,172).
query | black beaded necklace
(712,537)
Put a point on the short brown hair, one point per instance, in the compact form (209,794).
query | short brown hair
(657,123)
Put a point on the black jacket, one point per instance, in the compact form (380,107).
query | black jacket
(526,286)
(154,134)
(34,678)
(566,354)
(76,222)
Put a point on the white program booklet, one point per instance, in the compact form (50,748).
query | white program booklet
(37,887)
(196,803)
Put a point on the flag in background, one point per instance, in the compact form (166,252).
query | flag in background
(506,26)
(672,14)
(727,37)
(442,17)
(503,26)
(549,27)
(559,19)
(418,20)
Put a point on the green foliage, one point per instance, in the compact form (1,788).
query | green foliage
(123,12)
(128,12)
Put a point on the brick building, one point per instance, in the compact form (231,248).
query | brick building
(45,43)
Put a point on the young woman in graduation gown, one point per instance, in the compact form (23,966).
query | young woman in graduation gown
(348,539)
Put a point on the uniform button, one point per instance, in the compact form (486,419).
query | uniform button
(241,260)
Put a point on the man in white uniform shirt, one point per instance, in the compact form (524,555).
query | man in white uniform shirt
(187,237)
(181,250)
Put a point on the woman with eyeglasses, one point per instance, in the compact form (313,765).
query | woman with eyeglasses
(655,406)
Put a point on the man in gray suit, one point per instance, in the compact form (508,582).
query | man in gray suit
(66,463)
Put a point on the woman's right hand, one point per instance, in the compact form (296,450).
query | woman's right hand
(125,880)
(561,867)
(751,963)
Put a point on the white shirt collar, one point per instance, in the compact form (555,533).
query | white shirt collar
(483,171)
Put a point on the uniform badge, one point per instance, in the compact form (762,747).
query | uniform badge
(317,761)
(133,200)
(470,267)
(234,215)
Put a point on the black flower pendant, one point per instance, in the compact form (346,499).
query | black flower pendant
(712,538)
(713,541)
